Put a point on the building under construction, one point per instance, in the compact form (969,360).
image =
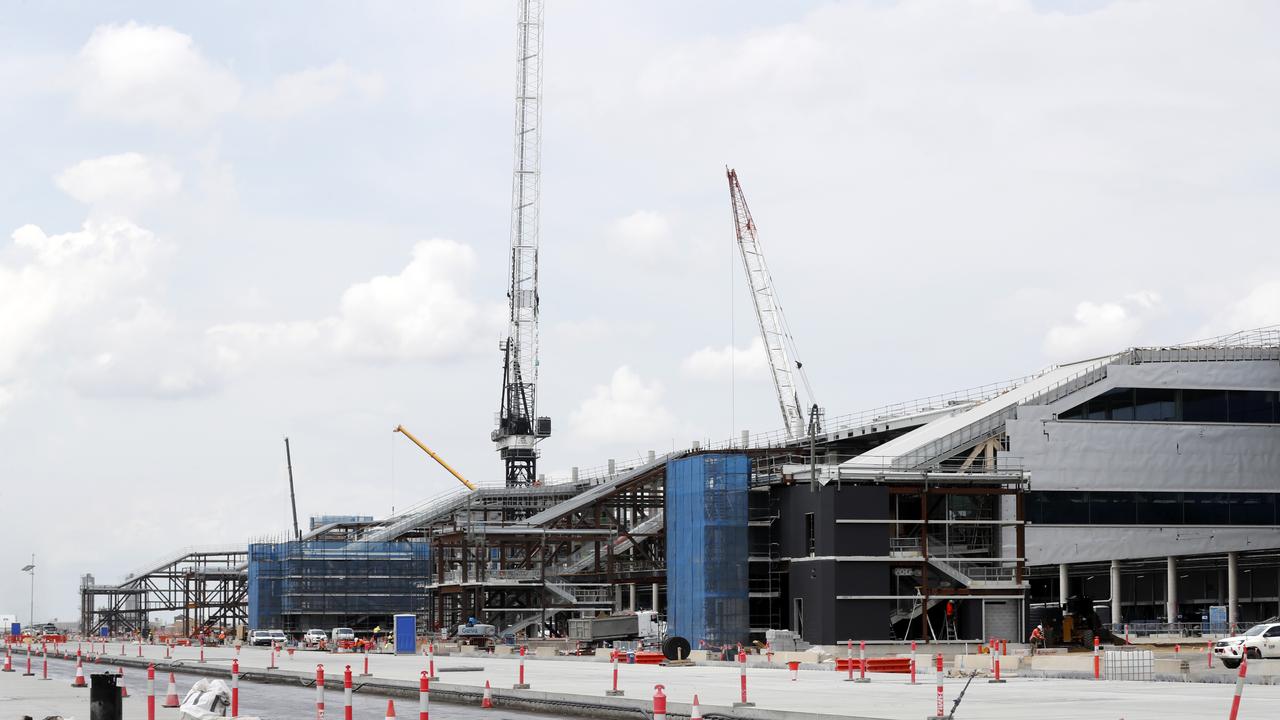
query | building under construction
(902,522)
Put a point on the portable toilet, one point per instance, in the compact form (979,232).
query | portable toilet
(406,630)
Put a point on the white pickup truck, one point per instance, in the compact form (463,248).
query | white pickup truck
(1258,642)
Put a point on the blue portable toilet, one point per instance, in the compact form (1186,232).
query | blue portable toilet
(15,629)
(406,629)
(104,631)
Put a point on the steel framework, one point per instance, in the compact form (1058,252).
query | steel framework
(206,586)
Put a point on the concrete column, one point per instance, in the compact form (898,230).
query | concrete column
(1171,593)
(746,438)
(655,597)
(1115,592)
(1233,589)
(632,604)
(1062,583)
(617,598)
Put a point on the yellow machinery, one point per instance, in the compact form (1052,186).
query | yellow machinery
(400,429)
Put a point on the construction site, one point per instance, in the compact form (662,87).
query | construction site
(868,542)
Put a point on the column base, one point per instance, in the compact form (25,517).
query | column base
(614,693)
(520,686)
(744,704)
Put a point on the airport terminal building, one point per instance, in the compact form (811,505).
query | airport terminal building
(1152,479)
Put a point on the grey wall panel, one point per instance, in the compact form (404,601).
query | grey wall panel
(1052,544)
(1110,455)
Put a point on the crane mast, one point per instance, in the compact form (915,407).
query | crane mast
(773,326)
(519,427)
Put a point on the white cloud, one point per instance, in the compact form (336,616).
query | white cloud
(711,363)
(69,287)
(1099,328)
(313,88)
(151,75)
(424,312)
(644,235)
(120,183)
(1259,308)
(626,409)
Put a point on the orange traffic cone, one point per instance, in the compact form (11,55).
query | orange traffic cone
(171,696)
(124,691)
(391,710)
(696,712)
(487,700)
(8,661)
(79,681)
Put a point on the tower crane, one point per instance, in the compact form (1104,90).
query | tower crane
(519,427)
(774,331)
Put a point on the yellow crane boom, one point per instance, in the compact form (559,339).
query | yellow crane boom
(400,429)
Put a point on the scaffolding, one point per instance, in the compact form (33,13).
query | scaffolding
(707,549)
(295,586)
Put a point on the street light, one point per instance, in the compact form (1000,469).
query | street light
(31,570)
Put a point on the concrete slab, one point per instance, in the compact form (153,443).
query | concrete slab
(886,697)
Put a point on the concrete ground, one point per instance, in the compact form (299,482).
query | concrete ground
(30,697)
(886,697)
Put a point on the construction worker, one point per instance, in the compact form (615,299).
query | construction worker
(951,613)
(1037,638)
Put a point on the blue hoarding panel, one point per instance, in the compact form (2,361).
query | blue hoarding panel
(706,519)
(406,629)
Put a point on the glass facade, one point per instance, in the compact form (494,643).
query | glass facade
(1175,405)
(1151,508)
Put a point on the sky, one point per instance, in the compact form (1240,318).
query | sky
(226,223)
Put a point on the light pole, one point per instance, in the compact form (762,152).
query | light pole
(31,570)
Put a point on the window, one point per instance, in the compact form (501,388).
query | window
(1273,632)
(1245,406)
(1253,509)
(1204,405)
(1158,508)
(1173,405)
(1152,508)
(810,539)
(1154,404)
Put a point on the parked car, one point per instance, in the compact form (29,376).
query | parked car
(314,637)
(278,637)
(342,635)
(1258,642)
(260,637)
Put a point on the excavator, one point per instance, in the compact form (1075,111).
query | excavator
(1075,624)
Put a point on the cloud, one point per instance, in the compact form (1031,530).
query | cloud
(628,408)
(153,75)
(712,363)
(1099,328)
(644,235)
(313,88)
(425,312)
(69,287)
(120,183)
(1259,308)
